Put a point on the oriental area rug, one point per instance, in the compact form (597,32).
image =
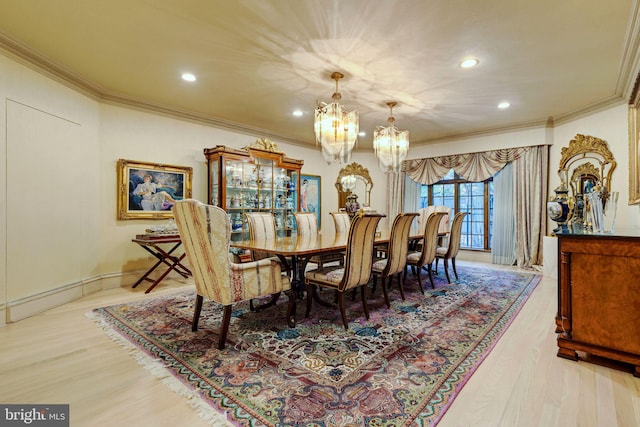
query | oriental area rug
(404,366)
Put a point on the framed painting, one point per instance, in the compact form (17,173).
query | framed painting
(149,190)
(310,195)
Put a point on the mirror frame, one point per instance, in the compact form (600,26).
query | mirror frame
(360,171)
(583,147)
(634,145)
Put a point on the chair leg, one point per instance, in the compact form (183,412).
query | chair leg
(431,276)
(437,265)
(196,313)
(453,264)
(375,283)
(401,284)
(226,319)
(446,269)
(384,291)
(291,309)
(342,312)
(353,295)
(364,301)
(420,280)
(310,290)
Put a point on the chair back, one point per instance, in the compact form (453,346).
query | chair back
(456,232)
(398,243)
(205,232)
(359,254)
(306,223)
(430,239)
(444,225)
(262,226)
(342,221)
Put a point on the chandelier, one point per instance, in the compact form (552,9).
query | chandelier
(336,129)
(390,144)
(348,182)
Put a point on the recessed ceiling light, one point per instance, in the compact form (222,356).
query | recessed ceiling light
(503,105)
(362,133)
(298,113)
(469,63)
(188,77)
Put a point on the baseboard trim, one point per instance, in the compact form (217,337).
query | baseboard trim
(14,311)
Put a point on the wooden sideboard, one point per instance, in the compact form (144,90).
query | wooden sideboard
(598,317)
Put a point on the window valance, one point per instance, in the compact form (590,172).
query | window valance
(473,167)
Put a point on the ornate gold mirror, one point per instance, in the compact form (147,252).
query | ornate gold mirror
(586,164)
(354,179)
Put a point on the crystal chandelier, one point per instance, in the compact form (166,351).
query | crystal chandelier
(348,182)
(336,129)
(390,144)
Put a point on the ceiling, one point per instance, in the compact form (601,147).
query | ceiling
(258,60)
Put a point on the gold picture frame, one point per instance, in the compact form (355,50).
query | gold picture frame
(148,190)
(634,146)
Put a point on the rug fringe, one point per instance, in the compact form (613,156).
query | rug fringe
(209,414)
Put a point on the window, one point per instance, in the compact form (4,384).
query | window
(460,195)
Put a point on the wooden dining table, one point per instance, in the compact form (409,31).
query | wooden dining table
(294,251)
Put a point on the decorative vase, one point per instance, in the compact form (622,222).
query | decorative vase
(558,208)
(352,205)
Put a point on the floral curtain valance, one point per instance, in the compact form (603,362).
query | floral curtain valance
(473,167)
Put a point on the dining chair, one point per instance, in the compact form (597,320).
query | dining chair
(307,226)
(205,232)
(424,258)
(444,226)
(450,251)
(356,271)
(262,225)
(342,221)
(396,261)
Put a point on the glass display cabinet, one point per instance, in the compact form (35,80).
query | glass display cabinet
(257,178)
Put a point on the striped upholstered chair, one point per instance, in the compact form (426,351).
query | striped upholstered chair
(450,251)
(425,257)
(307,226)
(342,221)
(262,225)
(356,271)
(397,251)
(205,232)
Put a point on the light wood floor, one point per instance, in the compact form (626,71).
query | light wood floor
(62,357)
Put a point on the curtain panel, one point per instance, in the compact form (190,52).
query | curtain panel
(529,187)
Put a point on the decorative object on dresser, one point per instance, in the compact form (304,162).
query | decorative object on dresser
(579,177)
(256,178)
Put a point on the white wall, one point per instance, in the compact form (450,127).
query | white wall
(49,143)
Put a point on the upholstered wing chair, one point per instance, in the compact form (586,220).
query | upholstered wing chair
(205,232)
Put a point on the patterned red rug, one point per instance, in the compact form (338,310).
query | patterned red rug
(404,366)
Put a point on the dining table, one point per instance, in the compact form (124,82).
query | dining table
(294,251)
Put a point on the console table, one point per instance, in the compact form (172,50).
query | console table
(598,317)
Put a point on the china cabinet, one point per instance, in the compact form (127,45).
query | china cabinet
(256,178)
